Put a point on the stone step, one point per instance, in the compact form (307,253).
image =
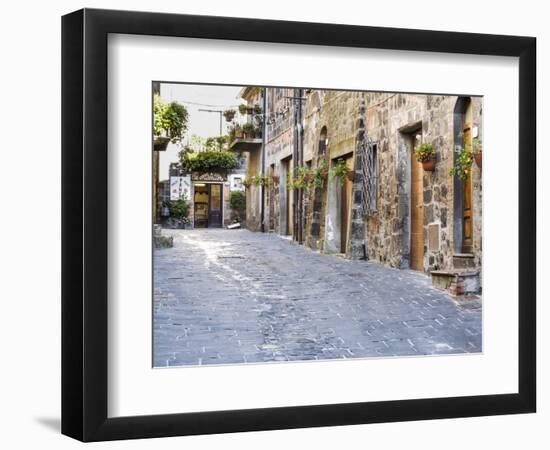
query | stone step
(463,261)
(457,281)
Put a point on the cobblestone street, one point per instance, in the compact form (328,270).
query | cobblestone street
(233,296)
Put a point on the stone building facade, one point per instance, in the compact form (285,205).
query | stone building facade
(389,210)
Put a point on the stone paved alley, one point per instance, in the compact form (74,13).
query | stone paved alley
(233,296)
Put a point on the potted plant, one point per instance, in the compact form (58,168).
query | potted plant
(248,130)
(247,182)
(477,150)
(244,109)
(169,123)
(229,114)
(322,169)
(463,162)
(239,134)
(258,132)
(425,153)
(275,178)
(340,170)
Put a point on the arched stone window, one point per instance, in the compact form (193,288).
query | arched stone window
(323,141)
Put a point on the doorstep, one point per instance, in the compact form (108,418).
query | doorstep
(457,281)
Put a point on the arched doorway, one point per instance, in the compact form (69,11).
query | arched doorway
(462,201)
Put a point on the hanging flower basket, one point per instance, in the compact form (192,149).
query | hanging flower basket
(160,143)
(229,114)
(429,164)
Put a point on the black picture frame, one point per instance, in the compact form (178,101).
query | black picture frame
(84,224)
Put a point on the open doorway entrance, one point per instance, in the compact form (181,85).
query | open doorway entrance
(208,205)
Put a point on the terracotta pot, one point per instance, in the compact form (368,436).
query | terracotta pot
(160,143)
(275,178)
(478,158)
(429,165)
(350,175)
(239,134)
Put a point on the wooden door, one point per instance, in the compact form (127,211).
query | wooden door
(271,199)
(345,208)
(215,197)
(467,225)
(417,210)
(289,199)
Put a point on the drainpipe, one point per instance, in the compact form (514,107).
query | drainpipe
(297,194)
(264,128)
(300,137)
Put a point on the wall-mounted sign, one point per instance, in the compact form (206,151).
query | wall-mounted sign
(180,187)
(211,177)
(236,182)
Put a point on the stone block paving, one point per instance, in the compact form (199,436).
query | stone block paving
(233,296)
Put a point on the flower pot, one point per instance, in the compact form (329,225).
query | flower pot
(309,177)
(478,158)
(239,135)
(160,143)
(275,178)
(229,117)
(350,175)
(429,165)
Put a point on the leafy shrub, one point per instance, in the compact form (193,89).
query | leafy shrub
(180,208)
(463,163)
(237,201)
(169,119)
(210,161)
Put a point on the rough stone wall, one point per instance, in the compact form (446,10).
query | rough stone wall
(337,112)
(314,154)
(279,143)
(391,118)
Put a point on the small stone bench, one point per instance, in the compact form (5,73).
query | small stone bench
(457,281)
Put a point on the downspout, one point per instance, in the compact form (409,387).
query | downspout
(300,137)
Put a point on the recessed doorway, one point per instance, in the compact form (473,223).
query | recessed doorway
(208,205)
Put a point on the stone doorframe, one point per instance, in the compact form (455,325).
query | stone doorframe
(404,154)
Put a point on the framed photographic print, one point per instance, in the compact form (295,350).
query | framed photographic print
(274,224)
